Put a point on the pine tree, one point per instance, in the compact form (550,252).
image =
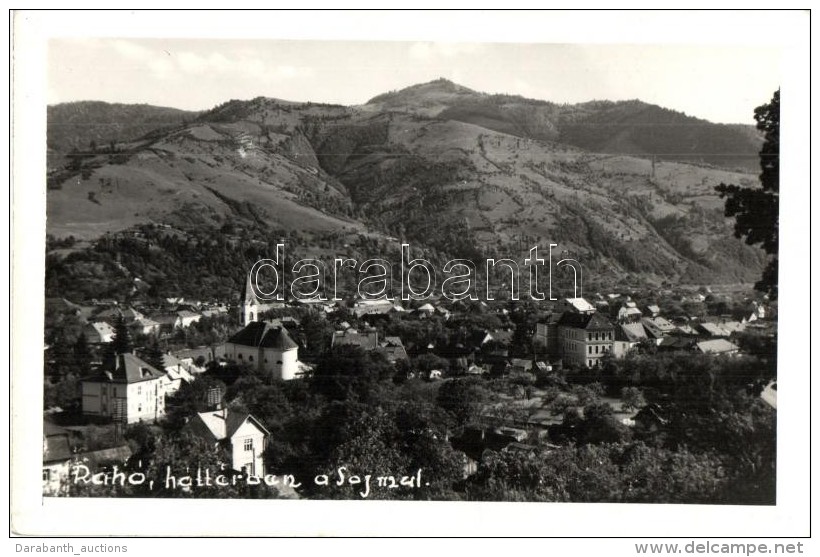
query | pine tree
(121,341)
(154,356)
(82,354)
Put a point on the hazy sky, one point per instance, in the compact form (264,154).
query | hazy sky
(718,83)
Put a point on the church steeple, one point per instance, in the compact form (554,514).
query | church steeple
(250,303)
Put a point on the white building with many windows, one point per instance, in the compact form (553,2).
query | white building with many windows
(131,390)
(585,338)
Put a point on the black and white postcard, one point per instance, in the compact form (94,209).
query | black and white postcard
(427,274)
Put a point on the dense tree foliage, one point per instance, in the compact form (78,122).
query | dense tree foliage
(609,472)
(712,441)
(393,440)
(756,210)
(463,398)
(350,372)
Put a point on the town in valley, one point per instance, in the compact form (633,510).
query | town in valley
(649,378)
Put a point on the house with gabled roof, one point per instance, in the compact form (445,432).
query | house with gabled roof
(719,346)
(176,374)
(366,339)
(373,307)
(267,347)
(188,318)
(240,433)
(733,326)
(657,327)
(111,315)
(129,389)
(629,312)
(502,336)
(520,365)
(98,332)
(144,326)
(627,337)
(756,310)
(685,329)
(633,332)
(712,329)
(393,349)
(652,310)
(167,321)
(675,343)
(478,339)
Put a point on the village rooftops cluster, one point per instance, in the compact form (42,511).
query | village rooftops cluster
(577,333)
(159,320)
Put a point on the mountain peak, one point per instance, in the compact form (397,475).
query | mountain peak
(443,84)
(437,90)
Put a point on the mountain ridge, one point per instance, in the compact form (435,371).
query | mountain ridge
(484,176)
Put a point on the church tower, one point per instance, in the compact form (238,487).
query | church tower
(250,303)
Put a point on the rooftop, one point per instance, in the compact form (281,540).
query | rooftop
(222,424)
(591,321)
(127,368)
(261,334)
(580,304)
(368,340)
(716,346)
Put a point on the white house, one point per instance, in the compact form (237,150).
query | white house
(144,326)
(132,390)
(372,307)
(98,332)
(168,321)
(758,311)
(188,318)
(658,327)
(427,309)
(176,373)
(243,435)
(629,312)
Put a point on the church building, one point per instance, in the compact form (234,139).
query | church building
(267,347)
